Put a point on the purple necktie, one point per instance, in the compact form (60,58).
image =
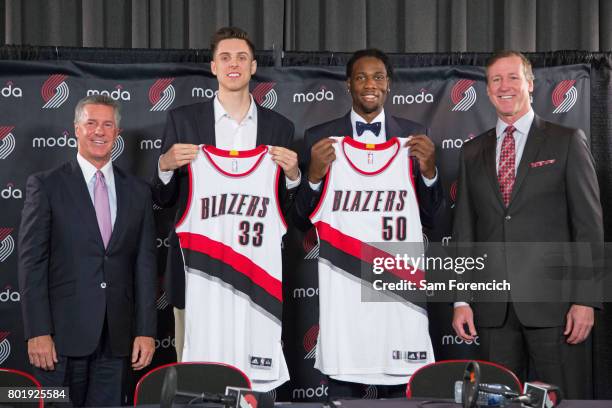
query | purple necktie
(102,207)
(507,164)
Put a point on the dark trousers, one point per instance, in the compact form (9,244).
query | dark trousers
(350,390)
(93,381)
(539,353)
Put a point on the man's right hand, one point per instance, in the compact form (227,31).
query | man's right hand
(41,351)
(322,155)
(463,315)
(177,156)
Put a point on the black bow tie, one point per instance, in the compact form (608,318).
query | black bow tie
(373,127)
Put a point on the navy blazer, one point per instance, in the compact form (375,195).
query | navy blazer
(69,282)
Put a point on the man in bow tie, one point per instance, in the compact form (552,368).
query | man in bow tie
(369,74)
(368,80)
(528,187)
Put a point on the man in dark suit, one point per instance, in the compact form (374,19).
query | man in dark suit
(369,74)
(87,266)
(526,185)
(368,79)
(231,121)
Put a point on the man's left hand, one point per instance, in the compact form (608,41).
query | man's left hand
(142,352)
(579,322)
(287,159)
(424,150)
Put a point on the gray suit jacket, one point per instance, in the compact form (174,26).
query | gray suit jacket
(555,201)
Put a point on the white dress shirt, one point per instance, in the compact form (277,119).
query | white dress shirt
(232,135)
(370,138)
(89,173)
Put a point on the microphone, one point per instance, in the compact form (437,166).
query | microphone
(234,397)
(488,396)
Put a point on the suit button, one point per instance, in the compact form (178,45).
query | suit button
(106,257)
(508,218)
(103,285)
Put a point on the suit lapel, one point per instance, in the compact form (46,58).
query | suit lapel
(206,124)
(264,134)
(532,147)
(490,143)
(392,128)
(81,201)
(123,205)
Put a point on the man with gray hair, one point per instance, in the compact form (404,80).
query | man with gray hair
(87,266)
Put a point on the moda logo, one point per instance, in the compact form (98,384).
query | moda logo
(55,91)
(61,141)
(162,302)
(265,95)
(311,244)
(299,293)
(564,96)
(118,148)
(162,94)
(203,93)
(318,96)
(310,342)
(409,99)
(304,393)
(5,347)
(150,144)
(9,295)
(165,343)
(463,95)
(446,240)
(10,91)
(118,94)
(11,192)
(7,243)
(456,143)
(7,141)
(449,339)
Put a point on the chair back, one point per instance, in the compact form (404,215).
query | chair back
(196,377)
(437,380)
(15,378)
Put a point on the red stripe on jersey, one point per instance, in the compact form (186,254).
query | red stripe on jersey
(363,251)
(239,262)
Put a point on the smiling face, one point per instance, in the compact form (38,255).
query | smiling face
(233,65)
(508,88)
(96,132)
(368,85)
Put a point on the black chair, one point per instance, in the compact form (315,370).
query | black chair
(15,378)
(437,380)
(196,377)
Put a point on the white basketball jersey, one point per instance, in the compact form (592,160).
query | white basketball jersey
(230,236)
(368,199)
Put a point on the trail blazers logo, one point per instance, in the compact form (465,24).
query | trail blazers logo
(564,96)
(265,95)
(55,91)
(311,244)
(7,141)
(310,342)
(118,148)
(7,243)
(463,95)
(5,347)
(162,94)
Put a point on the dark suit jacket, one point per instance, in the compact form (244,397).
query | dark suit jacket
(195,124)
(63,263)
(552,203)
(430,198)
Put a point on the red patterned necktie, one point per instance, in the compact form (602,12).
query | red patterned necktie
(506,170)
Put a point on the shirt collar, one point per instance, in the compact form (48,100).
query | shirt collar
(89,170)
(356,117)
(522,125)
(221,113)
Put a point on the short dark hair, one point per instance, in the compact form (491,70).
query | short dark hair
(369,52)
(527,70)
(226,33)
(97,100)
